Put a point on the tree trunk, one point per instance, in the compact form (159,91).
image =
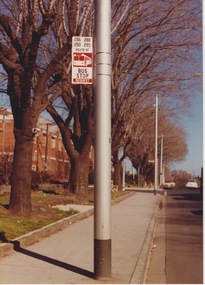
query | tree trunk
(78,181)
(20,199)
(118,174)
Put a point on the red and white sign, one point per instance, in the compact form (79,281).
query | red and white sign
(82,60)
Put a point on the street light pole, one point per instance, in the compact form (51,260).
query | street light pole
(156,148)
(46,150)
(161,161)
(102,189)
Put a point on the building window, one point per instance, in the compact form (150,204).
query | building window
(10,158)
(35,140)
(44,140)
(60,168)
(35,155)
(43,162)
(60,145)
(53,143)
(66,168)
(53,163)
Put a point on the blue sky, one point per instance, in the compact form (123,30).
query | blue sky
(193,124)
(194,127)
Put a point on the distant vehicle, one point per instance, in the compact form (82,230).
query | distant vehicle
(169,185)
(192,184)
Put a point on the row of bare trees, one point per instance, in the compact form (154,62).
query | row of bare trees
(142,148)
(153,51)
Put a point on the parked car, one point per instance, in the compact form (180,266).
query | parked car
(169,185)
(192,184)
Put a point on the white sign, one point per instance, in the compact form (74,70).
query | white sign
(82,60)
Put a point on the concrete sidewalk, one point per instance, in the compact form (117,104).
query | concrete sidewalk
(67,256)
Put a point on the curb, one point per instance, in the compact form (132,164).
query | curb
(159,275)
(140,271)
(159,191)
(37,235)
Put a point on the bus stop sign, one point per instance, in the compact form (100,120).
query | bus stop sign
(82,60)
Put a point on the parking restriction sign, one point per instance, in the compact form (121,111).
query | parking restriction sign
(82,60)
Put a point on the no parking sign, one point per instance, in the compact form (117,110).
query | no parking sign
(82,60)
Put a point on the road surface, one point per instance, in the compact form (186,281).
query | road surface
(184,237)
(178,258)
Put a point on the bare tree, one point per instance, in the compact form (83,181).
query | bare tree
(77,101)
(181,177)
(32,57)
(154,45)
(141,150)
(77,134)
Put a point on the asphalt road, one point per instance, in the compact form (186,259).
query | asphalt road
(184,237)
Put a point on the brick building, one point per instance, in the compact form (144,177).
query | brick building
(49,155)
(6,132)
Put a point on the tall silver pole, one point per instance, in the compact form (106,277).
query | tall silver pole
(156,148)
(123,174)
(161,161)
(138,176)
(102,200)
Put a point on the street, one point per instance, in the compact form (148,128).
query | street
(184,236)
(178,257)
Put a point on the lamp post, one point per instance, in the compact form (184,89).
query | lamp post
(156,148)
(161,161)
(46,150)
(123,174)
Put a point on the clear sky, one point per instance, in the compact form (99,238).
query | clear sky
(194,127)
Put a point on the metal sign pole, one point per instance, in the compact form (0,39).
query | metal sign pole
(102,204)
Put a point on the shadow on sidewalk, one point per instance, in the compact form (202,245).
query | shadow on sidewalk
(55,262)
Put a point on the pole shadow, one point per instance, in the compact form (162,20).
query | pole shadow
(52,261)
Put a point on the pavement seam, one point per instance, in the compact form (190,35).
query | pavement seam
(139,273)
(157,259)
